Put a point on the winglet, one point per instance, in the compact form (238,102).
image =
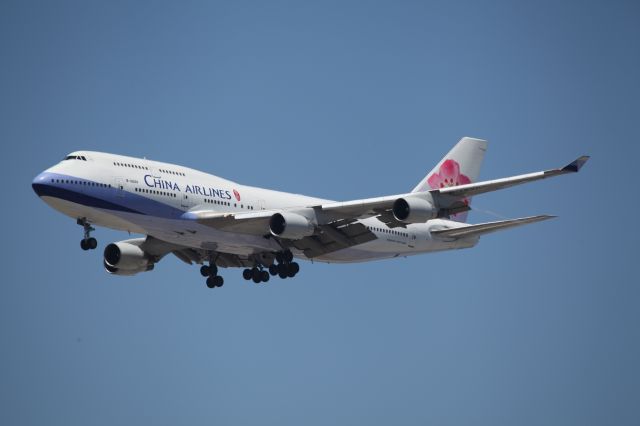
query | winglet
(576,165)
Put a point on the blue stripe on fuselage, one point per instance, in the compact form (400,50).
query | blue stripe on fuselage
(99,195)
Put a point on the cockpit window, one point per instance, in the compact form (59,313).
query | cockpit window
(75,157)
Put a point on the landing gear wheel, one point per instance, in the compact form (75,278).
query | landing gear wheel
(247,274)
(273,269)
(92,243)
(218,281)
(294,267)
(84,245)
(211,282)
(265,276)
(288,256)
(290,272)
(256,275)
(283,274)
(205,271)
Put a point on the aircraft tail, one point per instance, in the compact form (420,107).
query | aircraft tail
(460,166)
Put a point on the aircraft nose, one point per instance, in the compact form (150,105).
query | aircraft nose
(41,183)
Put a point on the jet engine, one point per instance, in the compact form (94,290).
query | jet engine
(413,210)
(127,258)
(292,226)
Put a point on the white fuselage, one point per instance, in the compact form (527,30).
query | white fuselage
(150,197)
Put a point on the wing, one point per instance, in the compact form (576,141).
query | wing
(329,235)
(332,237)
(336,224)
(255,223)
(449,200)
(494,185)
(466,231)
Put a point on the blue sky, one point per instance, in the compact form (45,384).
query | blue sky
(339,100)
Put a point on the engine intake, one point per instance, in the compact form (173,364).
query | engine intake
(290,225)
(413,210)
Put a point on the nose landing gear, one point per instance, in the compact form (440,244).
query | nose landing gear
(88,242)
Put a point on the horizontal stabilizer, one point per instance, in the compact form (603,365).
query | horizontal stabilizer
(486,228)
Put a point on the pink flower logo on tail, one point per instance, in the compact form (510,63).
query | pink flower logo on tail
(449,175)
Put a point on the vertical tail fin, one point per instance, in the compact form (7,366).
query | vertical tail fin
(460,166)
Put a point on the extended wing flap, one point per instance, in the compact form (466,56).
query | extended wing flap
(486,228)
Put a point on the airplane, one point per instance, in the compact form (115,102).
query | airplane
(216,223)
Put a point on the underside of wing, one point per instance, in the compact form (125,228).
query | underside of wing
(225,260)
(331,238)
(466,231)
(326,237)
(255,223)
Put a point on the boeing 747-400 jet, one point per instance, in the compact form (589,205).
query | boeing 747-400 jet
(216,223)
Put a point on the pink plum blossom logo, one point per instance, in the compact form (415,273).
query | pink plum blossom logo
(449,175)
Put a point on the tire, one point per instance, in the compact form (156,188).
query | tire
(288,256)
(84,245)
(290,271)
(205,271)
(265,276)
(92,243)
(295,267)
(247,274)
(218,280)
(282,274)
(273,269)
(279,257)
(282,268)
(213,269)
(211,282)
(256,275)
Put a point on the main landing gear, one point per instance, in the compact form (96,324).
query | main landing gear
(211,272)
(88,242)
(257,274)
(284,268)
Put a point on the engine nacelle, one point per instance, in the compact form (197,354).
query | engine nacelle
(413,210)
(125,272)
(126,258)
(292,226)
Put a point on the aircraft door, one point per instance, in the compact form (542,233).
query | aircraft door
(188,200)
(118,183)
